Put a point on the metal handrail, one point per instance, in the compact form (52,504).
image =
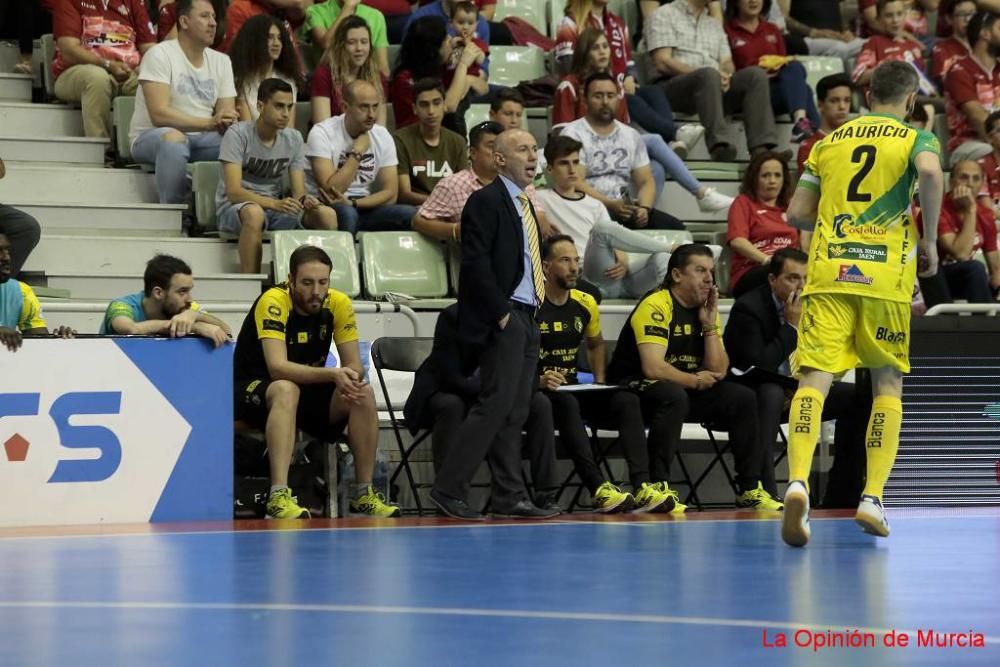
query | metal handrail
(953,308)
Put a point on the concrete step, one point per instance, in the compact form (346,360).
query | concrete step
(15,87)
(680,203)
(111,219)
(63,150)
(128,255)
(220,287)
(40,120)
(34,182)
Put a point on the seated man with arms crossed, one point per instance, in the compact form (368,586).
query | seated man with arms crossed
(281,382)
(164,307)
(20,312)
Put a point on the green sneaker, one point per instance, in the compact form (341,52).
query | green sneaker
(372,503)
(759,499)
(656,497)
(283,505)
(609,499)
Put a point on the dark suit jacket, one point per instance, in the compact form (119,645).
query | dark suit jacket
(492,266)
(755,335)
(441,371)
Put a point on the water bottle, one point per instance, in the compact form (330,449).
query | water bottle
(346,475)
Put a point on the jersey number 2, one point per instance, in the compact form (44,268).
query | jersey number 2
(865,154)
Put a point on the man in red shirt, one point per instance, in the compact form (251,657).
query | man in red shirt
(972,89)
(990,163)
(949,51)
(966,226)
(834,95)
(98,47)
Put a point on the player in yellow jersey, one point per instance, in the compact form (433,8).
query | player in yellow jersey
(854,200)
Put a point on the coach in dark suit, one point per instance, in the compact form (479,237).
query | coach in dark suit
(500,289)
(762,333)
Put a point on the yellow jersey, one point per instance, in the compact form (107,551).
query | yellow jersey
(865,238)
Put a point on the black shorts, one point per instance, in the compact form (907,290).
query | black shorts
(312,415)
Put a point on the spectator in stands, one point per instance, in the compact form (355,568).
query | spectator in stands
(972,88)
(966,226)
(442,395)
(258,157)
(166,25)
(609,180)
(291,13)
(950,50)
(186,100)
(647,105)
(22,231)
(97,56)
(670,352)
(25,21)
(164,307)
(262,50)
(755,41)
(20,311)
(603,242)
(692,58)
(427,152)
(762,333)
(507,108)
(442,9)
(990,163)
(426,52)
(439,217)
(914,19)
(834,94)
(354,165)
(567,317)
(323,18)
(396,13)
(895,44)
(817,28)
(758,225)
(464,19)
(281,381)
(348,58)
(593,55)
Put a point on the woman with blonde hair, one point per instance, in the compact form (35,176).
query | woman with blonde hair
(349,58)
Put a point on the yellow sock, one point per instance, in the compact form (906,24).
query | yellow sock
(804,423)
(882,442)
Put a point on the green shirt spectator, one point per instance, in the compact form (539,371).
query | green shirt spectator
(320,26)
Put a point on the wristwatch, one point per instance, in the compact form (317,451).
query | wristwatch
(356,155)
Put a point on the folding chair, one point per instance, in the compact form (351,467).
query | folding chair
(406,355)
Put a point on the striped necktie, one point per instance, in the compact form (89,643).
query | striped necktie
(531,226)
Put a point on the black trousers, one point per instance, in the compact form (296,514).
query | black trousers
(449,410)
(726,406)
(850,405)
(960,280)
(493,425)
(610,409)
(25,21)
(22,231)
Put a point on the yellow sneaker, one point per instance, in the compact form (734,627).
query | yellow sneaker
(283,505)
(372,503)
(679,508)
(759,499)
(656,497)
(609,499)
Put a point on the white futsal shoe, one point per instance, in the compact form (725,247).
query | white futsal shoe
(871,516)
(795,522)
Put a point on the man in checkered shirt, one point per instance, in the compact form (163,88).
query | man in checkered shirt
(690,53)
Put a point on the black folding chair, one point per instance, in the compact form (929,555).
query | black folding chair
(406,355)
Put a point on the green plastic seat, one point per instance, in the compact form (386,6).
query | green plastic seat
(476,114)
(122,109)
(510,65)
(48,43)
(338,245)
(819,66)
(205,177)
(403,263)
(532,11)
(303,116)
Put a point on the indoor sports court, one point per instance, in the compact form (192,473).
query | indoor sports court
(705,589)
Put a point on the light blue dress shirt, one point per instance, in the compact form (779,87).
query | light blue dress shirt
(525,290)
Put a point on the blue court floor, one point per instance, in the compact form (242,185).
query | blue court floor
(584,591)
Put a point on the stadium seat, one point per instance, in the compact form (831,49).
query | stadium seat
(819,66)
(338,245)
(405,263)
(454,265)
(510,65)
(122,109)
(476,114)
(48,57)
(205,177)
(532,11)
(402,355)
(391,54)
(303,116)
(628,10)
(555,10)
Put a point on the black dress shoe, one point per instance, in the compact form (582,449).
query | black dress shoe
(548,501)
(525,510)
(455,508)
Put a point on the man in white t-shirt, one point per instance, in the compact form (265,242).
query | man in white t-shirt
(354,165)
(185,103)
(602,242)
(616,160)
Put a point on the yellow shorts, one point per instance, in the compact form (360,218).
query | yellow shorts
(839,332)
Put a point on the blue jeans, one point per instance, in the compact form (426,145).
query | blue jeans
(663,160)
(170,159)
(790,92)
(390,218)
(650,108)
